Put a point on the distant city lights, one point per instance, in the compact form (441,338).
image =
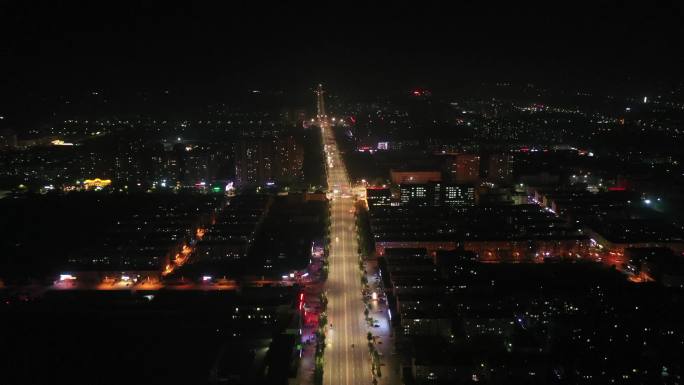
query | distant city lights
(59,142)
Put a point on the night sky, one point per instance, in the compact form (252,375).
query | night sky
(100,45)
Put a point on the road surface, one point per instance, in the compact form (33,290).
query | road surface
(344,364)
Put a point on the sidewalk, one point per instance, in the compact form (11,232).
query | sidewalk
(389,362)
(305,372)
(306,365)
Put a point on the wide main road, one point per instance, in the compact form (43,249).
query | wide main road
(347,360)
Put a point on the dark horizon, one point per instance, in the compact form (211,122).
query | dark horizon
(81,46)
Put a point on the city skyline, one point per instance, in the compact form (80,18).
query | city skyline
(341,194)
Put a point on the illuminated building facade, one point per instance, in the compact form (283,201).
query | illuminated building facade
(96,183)
(418,194)
(458,195)
(437,194)
(378,197)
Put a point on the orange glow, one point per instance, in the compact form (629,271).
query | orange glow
(168,269)
(179,260)
(641,278)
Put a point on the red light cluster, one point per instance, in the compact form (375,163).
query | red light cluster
(421,92)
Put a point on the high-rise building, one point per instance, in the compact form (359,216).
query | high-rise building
(259,161)
(320,103)
(127,164)
(465,169)
(499,169)
(289,160)
(253,161)
(196,167)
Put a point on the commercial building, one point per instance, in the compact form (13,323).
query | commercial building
(418,194)
(437,194)
(495,233)
(378,197)
(458,195)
